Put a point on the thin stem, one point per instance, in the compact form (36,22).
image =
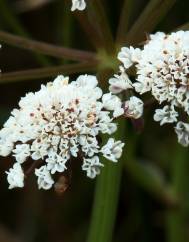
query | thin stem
(124,21)
(90,30)
(32,74)
(183,27)
(176,218)
(47,49)
(17,27)
(148,20)
(105,200)
(97,16)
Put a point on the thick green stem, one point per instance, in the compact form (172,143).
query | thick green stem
(106,199)
(176,218)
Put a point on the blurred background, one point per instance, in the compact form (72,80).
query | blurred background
(144,210)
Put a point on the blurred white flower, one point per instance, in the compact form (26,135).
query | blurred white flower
(92,166)
(21,152)
(15,176)
(45,180)
(78,4)
(120,82)
(112,103)
(58,122)
(128,56)
(133,107)
(112,150)
(166,115)
(182,131)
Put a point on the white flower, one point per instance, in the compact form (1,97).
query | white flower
(15,176)
(162,68)
(92,166)
(45,180)
(128,56)
(133,108)
(78,4)
(166,115)
(182,131)
(21,152)
(120,82)
(113,103)
(58,122)
(112,150)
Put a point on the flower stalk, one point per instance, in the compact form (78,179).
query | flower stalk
(106,199)
(176,218)
(47,49)
(37,73)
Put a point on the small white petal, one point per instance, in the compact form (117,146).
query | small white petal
(78,4)
(15,176)
(112,150)
(182,131)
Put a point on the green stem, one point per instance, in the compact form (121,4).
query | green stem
(106,199)
(176,218)
(13,23)
(38,73)
(97,16)
(90,30)
(182,27)
(148,20)
(47,49)
(124,21)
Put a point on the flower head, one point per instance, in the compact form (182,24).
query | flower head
(162,68)
(56,123)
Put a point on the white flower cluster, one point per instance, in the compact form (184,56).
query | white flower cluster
(133,106)
(58,122)
(78,4)
(162,68)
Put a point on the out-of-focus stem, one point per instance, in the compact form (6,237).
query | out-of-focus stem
(32,74)
(147,177)
(47,49)
(95,24)
(93,34)
(16,26)
(148,20)
(124,21)
(182,27)
(97,15)
(106,199)
(176,218)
